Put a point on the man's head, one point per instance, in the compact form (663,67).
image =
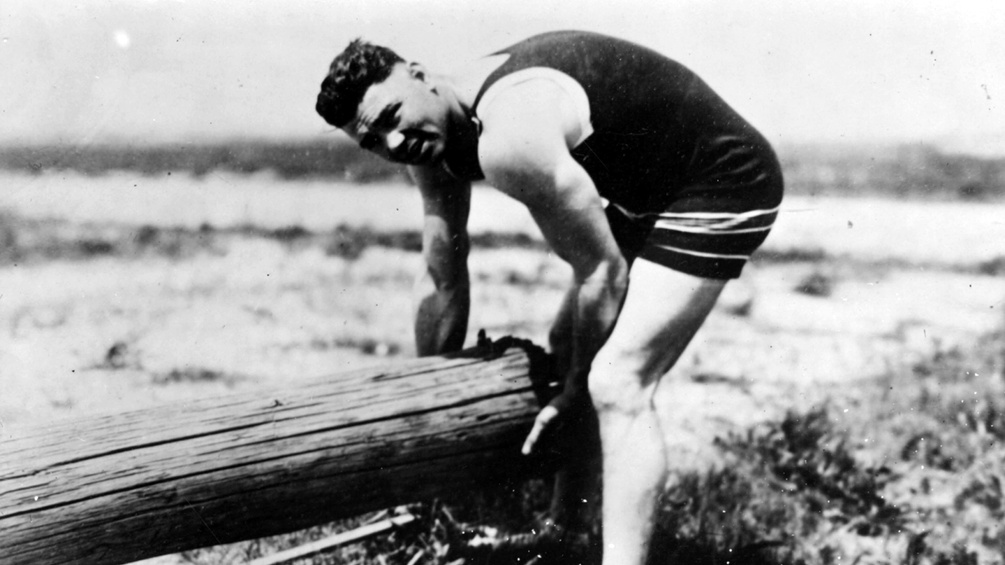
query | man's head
(388,106)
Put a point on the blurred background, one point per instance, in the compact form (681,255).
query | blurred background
(174,71)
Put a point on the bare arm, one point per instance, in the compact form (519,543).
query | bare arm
(442,290)
(525,153)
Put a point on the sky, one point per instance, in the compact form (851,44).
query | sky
(154,71)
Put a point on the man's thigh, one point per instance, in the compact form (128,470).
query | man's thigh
(662,311)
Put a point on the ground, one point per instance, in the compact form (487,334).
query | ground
(124,291)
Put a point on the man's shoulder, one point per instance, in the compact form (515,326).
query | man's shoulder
(526,115)
(517,128)
(524,146)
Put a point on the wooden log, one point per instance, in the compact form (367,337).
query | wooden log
(129,486)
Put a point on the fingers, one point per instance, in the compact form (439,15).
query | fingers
(544,417)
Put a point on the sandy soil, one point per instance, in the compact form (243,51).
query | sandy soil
(110,334)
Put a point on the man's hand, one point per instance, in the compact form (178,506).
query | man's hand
(562,410)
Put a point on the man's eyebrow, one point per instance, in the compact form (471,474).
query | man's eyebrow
(387,114)
(383,119)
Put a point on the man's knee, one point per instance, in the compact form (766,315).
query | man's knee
(618,383)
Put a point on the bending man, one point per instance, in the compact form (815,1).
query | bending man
(639,176)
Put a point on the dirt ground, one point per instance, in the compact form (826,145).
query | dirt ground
(113,333)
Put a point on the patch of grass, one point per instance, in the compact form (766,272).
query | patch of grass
(194,375)
(367,345)
(31,241)
(943,434)
(790,255)
(993,267)
(793,482)
(816,284)
(900,171)
(333,157)
(953,431)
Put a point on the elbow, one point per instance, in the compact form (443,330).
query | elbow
(446,263)
(451,280)
(432,281)
(609,272)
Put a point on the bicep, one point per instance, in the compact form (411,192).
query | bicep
(526,156)
(572,219)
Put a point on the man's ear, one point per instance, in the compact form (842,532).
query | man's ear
(420,73)
(417,71)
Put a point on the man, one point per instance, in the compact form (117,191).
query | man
(639,176)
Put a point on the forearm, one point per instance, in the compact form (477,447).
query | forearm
(441,318)
(598,302)
(442,295)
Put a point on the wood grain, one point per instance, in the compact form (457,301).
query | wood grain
(123,487)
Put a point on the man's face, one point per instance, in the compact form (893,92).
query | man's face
(402,119)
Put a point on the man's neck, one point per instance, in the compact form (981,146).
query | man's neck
(466,84)
(460,91)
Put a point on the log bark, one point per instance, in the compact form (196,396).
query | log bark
(129,486)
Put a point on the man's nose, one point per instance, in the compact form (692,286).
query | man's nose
(394,140)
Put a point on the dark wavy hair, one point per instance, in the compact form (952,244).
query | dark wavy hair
(354,70)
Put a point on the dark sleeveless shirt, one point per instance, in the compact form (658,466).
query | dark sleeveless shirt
(657,128)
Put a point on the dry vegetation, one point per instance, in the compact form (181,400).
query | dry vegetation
(855,389)
(907,170)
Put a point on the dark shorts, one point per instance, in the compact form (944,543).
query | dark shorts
(711,228)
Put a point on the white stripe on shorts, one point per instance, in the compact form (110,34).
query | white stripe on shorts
(670,225)
(701,254)
(712,221)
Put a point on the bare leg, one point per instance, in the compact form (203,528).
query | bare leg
(662,312)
